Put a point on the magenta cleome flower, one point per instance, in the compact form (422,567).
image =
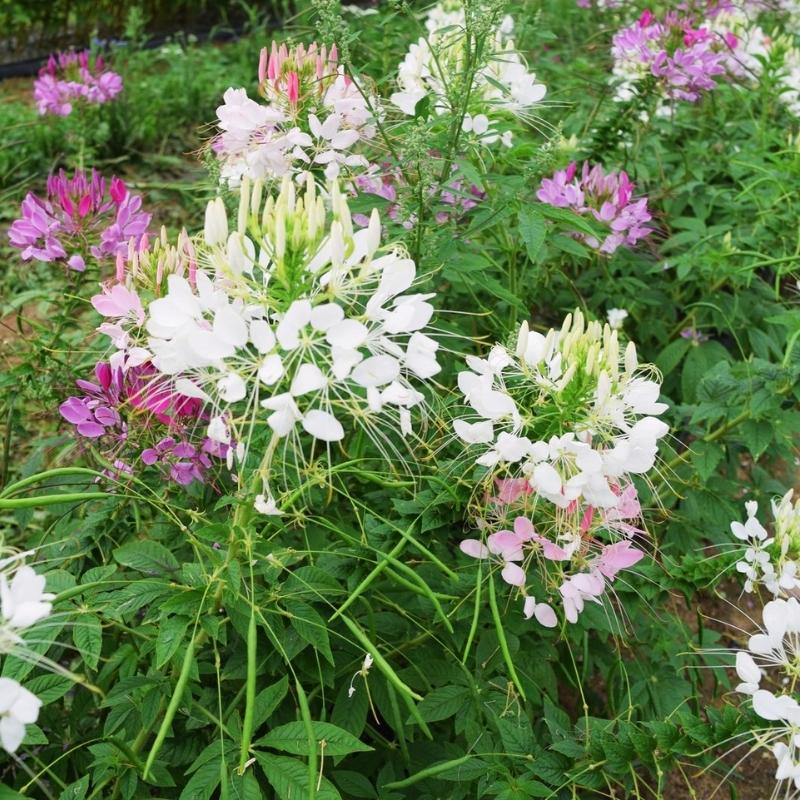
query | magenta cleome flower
(69,77)
(122,400)
(78,218)
(608,198)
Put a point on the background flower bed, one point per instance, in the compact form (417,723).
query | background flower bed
(710,297)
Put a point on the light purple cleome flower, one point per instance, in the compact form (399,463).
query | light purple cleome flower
(69,77)
(183,461)
(607,198)
(78,218)
(384,181)
(684,58)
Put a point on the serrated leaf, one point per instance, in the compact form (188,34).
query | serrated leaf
(532,229)
(88,637)
(204,782)
(292,738)
(311,627)
(442,703)
(171,633)
(267,700)
(289,778)
(49,688)
(148,557)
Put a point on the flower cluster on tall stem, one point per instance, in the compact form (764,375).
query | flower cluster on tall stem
(79,217)
(293,330)
(313,117)
(69,78)
(501,82)
(560,424)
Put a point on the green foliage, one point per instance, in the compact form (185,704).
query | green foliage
(201,655)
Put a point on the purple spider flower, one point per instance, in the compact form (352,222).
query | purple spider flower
(184,462)
(69,77)
(76,218)
(608,198)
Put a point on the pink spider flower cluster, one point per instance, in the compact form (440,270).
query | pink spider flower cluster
(685,58)
(607,198)
(314,115)
(79,216)
(71,77)
(128,411)
(572,570)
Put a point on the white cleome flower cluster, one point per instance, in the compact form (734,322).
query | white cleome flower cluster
(300,323)
(774,652)
(607,402)
(503,83)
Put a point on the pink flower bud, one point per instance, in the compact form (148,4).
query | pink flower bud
(118,190)
(292,87)
(120,267)
(263,59)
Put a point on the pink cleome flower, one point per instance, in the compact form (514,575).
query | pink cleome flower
(77,218)
(68,77)
(686,59)
(608,198)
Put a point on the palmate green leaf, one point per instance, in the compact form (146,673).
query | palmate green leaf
(292,738)
(148,557)
(87,634)
(289,778)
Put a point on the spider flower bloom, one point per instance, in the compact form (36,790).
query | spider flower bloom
(606,403)
(608,198)
(771,561)
(561,424)
(774,652)
(71,77)
(303,328)
(136,395)
(314,116)
(502,84)
(18,708)
(78,217)
(684,60)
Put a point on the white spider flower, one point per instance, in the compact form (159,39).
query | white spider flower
(608,404)
(18,708)
(771,561)
(314,115)
(503,83)
(23,602)
(298,324)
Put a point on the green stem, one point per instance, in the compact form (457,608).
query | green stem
(501,638)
